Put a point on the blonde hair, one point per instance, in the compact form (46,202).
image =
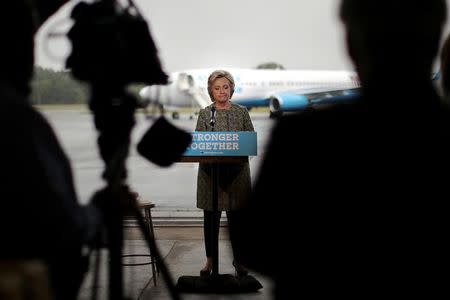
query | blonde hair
(216,75)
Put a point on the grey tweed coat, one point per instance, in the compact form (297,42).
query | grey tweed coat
(234,179)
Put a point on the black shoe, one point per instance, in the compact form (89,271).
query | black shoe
(240,270)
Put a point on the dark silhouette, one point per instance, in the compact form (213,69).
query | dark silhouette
(360,188)
(40,217)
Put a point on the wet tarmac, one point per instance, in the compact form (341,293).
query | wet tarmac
(182,249)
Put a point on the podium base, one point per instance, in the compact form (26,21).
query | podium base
(218,284)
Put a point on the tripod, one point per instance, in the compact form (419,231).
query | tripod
(114,119)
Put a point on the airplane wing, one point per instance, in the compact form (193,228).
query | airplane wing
(317,98)
(291,101)
(300,99)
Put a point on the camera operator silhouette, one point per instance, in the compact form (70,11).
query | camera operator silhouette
(40,217)
(360,212)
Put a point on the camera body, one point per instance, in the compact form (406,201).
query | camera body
(112,47)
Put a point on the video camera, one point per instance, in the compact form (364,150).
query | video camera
(112,45)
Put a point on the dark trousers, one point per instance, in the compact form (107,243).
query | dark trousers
(207,223)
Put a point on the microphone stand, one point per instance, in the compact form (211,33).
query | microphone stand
(214,230)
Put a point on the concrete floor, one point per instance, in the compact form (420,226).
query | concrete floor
(183,251)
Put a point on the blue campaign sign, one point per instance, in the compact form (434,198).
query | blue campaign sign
(222,143)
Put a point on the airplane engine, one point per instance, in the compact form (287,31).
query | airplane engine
(285,102)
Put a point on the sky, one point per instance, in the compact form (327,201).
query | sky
(304,34)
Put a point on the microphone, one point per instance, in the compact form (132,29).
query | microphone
(212,121)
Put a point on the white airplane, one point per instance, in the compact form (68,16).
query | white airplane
(280,90)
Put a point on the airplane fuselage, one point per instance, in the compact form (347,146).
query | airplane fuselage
(253,87)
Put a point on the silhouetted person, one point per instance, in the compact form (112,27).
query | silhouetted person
(40,217)
(360,188)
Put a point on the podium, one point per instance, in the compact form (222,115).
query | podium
(219,148)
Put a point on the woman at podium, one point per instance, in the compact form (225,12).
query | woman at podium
(234,183)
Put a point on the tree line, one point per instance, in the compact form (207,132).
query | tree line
(57,87)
